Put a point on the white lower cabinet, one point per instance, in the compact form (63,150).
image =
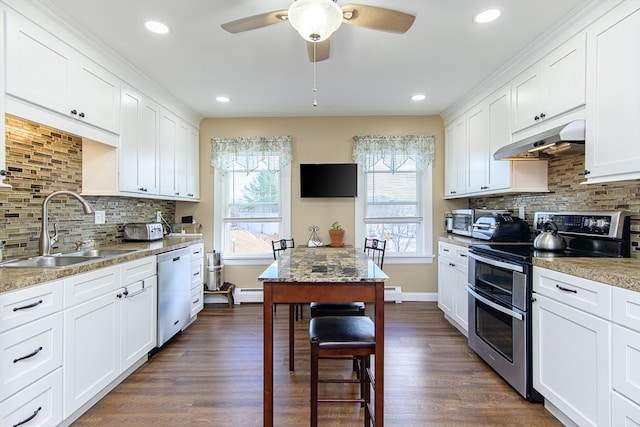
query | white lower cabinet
(572,345)
(107,333)
(452,284)
(197,279)
(91,350)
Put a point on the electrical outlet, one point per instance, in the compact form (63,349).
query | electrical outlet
(158,216)
(521,212)
(100,217)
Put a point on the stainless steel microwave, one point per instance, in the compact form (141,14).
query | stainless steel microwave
(463,219)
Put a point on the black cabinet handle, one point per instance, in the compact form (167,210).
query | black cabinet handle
(81,114)
(30,418)
(28,356)
(536,118)
(566,289)
(587,171)
(24,307)
(543,115)
(74,112)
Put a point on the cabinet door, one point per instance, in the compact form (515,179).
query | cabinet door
(138,321)
(478,149)
(94,95)
(456,157)
(193,164)
(182,155)
(498,116)
(526,101)
(563,81)
(571,361)
(626,363)
(91,349)
(139,143)
(38,65)
(446,285)
(612,151)
(461,304)
(168,137)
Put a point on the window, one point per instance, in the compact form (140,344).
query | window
(395,195)
(251,196)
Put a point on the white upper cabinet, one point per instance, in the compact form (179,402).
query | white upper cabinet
(499,135)
(179,168)
(553,86)
(455,157)
(139,141)
(612,150)
(193,164)
(45,75)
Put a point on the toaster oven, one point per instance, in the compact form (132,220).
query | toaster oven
(143,232)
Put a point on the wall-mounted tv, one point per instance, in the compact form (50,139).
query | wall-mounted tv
(329,180)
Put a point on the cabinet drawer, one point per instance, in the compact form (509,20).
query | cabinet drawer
(197,251)
(139,269)
(86,286)
(626,308)
(624,412)
(197,301)
(25,305)
(626,363)
(196,275)
(30,352)
(40,404)
(586,295)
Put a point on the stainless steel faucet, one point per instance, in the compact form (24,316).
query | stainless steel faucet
(47,241)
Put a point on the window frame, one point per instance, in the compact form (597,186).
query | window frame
(425,206)
(219,215)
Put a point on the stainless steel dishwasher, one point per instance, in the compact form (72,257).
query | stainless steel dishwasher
(174,304)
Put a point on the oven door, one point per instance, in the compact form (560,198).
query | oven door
(498,334)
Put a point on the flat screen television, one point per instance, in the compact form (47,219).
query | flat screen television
(329,180)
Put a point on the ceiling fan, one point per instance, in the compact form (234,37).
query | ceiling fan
(316,20)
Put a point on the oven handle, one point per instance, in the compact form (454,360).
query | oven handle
(497,263)
(492,304)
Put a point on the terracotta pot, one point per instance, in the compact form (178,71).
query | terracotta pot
(337,237)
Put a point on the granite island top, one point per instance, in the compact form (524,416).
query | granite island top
(14,278)
(323,264)
(619,272)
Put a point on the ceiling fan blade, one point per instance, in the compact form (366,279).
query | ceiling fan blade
(377,18)
(255,21)
(322,50)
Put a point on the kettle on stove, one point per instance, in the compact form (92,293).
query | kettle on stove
(549,239)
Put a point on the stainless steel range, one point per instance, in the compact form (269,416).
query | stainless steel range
(500,283)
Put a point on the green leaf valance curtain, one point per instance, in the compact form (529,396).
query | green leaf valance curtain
(250,153)
(393,150)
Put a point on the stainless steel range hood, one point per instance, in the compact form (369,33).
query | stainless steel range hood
(565,139)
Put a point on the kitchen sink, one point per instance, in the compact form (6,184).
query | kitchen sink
(51,261)
(101,253)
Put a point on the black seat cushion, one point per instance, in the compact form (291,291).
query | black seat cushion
(337,308)
(342,331)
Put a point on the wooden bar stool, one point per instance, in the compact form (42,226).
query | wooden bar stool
(336,336)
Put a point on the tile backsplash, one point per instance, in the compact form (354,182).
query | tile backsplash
(567,194)
(41,160)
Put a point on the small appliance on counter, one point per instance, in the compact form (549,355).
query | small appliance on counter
(501,228)
(142,232)
(462,220)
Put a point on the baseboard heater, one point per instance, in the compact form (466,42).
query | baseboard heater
(253,295)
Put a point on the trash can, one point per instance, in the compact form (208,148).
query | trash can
(214,271)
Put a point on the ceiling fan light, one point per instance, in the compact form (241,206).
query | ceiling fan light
(315,20)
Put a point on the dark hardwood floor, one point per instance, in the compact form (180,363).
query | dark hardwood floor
(211,375)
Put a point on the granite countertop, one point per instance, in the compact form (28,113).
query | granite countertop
(619,272)
(14,278)
(323,264)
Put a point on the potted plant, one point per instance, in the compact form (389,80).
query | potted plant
(336,233)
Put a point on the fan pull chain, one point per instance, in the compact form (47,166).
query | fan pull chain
(314,89)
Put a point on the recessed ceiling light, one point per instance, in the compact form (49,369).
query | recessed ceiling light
(156,27)
(487,15)
(419,97)
(223,99)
